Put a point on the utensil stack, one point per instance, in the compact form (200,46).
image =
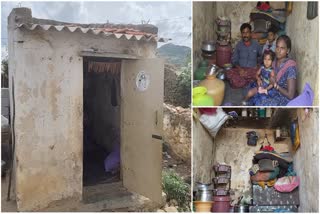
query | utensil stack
(222,181)
(224,30)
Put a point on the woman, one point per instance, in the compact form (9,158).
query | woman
(286,77)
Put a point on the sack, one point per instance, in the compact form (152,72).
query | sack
(214,122)
(287,183)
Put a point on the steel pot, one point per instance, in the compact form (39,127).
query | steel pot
(221,76)
(205,192)
(241,208)
(208,46)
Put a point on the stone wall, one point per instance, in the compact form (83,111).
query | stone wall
(304,36)
(306,161)
(177,131)
(172,94)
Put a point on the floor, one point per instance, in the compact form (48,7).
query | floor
(93,167)
(122,201)
(233,97)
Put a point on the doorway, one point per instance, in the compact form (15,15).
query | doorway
(101,122)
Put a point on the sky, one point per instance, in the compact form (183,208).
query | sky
(173,19)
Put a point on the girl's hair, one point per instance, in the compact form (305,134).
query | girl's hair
(270,53)
(286,39)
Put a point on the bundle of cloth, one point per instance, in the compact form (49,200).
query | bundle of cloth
(240,77)
(273,170)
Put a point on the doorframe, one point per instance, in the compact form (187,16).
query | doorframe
(86,56)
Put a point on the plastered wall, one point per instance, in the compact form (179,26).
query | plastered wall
(202,154)
(306,161)
(48,86)
(232,149)
(204,27)
(238,13)
(304,36)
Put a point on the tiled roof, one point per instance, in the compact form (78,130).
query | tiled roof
(119,33)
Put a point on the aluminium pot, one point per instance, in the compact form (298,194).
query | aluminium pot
(208,46)
(241,208)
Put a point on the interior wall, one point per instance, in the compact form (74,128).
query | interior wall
(232,149)
(306,161)
(238,13)
(204,27)
(202,154)
(304,36)
(103,119)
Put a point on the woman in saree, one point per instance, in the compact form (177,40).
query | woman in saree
(286,77)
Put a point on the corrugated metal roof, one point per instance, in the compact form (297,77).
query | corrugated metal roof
(126,33)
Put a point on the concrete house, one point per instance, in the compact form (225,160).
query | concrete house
(78,90)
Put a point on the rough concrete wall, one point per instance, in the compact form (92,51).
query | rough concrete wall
(232,149)
(202,153)
(48,76)
(306,161)
(177,130)
(304,36)
(204,27)
(238,13)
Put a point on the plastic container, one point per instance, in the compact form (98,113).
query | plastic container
(215,88)
(200,73)
(203,206)
(221,204)
(223,55)
(200,98)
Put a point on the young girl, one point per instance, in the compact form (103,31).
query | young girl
(264,75)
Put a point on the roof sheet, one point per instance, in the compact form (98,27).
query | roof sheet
(125,33)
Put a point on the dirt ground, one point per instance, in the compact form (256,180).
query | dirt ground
(182,168)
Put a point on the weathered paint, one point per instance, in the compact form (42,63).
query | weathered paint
(238,13)
(306,161)
(48,75)
(204,16)
(304,36)
(232,149)
(203,154)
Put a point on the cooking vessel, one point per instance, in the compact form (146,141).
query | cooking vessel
(208,46)
(241,208)
(221,76)
(204,192)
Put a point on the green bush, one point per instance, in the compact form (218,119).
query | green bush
(175,188)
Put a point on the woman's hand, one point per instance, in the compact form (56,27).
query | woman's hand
(262,91)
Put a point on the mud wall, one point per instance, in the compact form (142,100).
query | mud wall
(177,130)
(204,15)
(48,86)
(306,161)
(304,36)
